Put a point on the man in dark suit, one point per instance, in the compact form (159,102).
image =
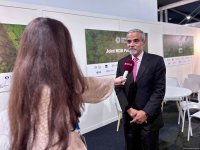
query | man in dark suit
(142,95)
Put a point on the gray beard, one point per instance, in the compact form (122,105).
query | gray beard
(133,52)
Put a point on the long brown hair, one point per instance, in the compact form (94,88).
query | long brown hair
(45,57)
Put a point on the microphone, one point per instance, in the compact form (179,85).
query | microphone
(128,67)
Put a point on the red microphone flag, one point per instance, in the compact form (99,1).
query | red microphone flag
(128,67)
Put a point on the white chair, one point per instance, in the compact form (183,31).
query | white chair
(193,76)
(119,110)
(187,106)
(195,115)
(173,81)
(192,84)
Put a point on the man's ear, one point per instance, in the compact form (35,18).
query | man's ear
(145,41)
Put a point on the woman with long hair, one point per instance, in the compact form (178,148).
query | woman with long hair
(48,89)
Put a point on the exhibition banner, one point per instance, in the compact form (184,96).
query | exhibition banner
(178,49)
(104,49)
(10,35)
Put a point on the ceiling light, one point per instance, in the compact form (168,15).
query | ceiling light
(188,17)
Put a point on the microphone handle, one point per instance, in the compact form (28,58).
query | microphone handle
(125,74)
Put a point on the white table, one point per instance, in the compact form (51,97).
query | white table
(176,92)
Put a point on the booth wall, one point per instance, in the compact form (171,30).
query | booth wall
(181,71)
(97,115)
(196,60)
(138,9)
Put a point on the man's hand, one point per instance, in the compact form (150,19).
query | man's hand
(140,117)
(132,112)
(119,80)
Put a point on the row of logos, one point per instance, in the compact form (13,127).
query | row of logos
(178,60)
(103,66)
(101,69)
(110,68)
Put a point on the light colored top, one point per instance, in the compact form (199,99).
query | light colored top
(99,89)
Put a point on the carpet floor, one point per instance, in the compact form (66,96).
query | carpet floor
(170,138)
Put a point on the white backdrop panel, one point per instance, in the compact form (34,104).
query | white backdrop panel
(4,96)
(16,15)
(180,71)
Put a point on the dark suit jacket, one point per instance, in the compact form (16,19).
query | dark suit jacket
(148,91)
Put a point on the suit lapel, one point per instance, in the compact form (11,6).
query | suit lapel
(144,64)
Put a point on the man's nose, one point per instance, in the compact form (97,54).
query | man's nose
(132,43)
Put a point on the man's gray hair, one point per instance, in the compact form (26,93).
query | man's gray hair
(139,31)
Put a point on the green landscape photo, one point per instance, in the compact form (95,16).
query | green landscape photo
(177,45)
(105,46)
(10,35)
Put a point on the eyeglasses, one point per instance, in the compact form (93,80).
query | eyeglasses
(134,41)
